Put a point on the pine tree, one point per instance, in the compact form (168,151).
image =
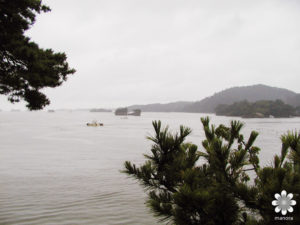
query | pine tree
(219,190)
(24,67)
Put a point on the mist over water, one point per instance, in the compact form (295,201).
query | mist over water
(56,170)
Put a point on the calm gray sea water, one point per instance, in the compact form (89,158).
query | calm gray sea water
(56,170)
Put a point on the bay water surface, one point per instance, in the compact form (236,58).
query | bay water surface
(56,170)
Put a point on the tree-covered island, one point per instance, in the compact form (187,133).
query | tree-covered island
(258,109)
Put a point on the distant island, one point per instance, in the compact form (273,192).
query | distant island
(100,110)
(258,109)
(229,96)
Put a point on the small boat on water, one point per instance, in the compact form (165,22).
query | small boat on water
(95,124)
(135,112)
(125,112)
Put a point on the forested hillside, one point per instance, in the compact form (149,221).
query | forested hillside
(229,96)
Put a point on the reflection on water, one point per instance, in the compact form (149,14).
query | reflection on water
(55,170)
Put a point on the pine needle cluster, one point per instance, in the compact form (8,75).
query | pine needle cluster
(181,190)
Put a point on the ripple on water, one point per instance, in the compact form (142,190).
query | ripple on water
(55,171)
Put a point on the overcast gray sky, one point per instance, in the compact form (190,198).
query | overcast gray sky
(138,52)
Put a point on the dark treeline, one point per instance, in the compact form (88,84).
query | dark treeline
(258,109)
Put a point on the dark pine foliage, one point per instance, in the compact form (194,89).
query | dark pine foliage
(24,67)
(218,190)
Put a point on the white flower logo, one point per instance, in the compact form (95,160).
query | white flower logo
(284,203)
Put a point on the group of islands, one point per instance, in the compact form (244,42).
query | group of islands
(256,101)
